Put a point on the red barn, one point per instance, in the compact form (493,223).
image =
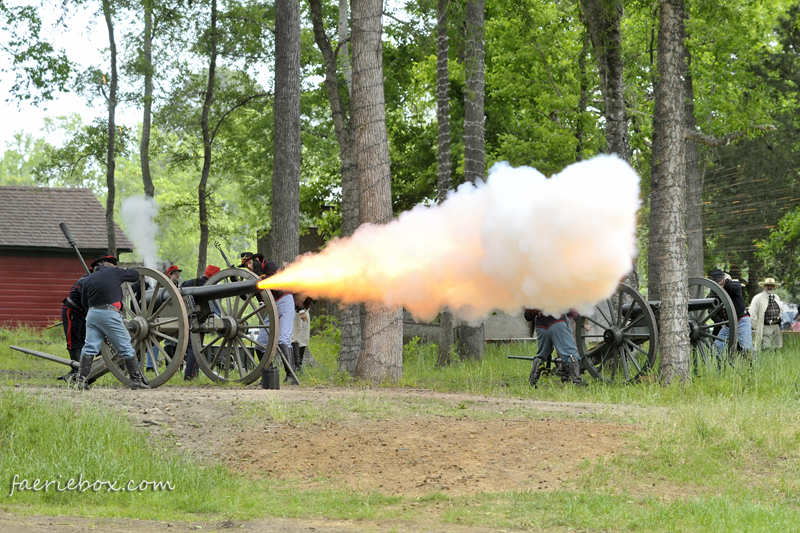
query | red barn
(37,264)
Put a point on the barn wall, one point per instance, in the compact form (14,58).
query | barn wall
(31,288)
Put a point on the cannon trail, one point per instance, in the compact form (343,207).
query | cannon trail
(517,240)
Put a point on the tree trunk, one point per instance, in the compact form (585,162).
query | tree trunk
(209,98)
(112,131)
(285,231)
(351,316)
(382,350)
(583,100)
(694,181)
(470,340)
(603,19)
(147,55)
(670,215)
(443,117)
(344,39)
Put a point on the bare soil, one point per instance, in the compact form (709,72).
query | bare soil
(406,455)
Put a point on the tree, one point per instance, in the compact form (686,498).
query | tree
(470,339)
(285,228)
(350,316)
(213,38)
(108,14)
(443,119)
(668,196)
(147,113)
(382,350)
(603,18)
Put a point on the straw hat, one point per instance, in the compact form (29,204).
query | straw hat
(769,281)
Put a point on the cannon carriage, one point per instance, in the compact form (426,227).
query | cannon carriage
(220,320)
(618,341)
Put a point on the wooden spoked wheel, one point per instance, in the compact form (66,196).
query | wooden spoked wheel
(154,313)
(710,309)
(618,341)
(239,328)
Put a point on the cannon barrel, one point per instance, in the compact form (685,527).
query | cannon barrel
(225,290)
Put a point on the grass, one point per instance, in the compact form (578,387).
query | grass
(720,453)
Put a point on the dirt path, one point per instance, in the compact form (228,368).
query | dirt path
(482,444)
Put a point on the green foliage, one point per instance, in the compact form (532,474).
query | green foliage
(781,251)
(81,161)
(750,185)
(20,158)
(40,70)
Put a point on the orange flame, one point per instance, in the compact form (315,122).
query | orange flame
(518,240)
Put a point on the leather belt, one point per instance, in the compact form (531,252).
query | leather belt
(107,307)
(771,322)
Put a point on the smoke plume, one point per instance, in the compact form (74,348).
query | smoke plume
(138,214)
(517,240)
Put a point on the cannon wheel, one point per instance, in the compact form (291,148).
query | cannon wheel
(703,322)
(150,325)
(626,347)
(228,353)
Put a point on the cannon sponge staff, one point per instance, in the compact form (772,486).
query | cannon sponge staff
(101,295)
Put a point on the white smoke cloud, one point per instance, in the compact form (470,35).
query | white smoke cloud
(139,213)
(517,240)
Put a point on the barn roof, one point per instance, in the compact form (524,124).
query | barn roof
(30,218)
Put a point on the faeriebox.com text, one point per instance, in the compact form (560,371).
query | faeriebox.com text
(83,485)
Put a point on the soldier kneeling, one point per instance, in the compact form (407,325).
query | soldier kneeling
(552,332)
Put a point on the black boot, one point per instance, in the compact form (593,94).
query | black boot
(564,371)
(536,372)
(138,381)
(83,372)
(289,368)
(298,352)
(575,374)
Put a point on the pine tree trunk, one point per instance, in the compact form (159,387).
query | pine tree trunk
(147,54)
(285,230)
(382,350)
(469,340)
(202,186)
(583,100)
(670,168)
(350,317)
(111,162)
(443,117)
(694,182)
(603,18)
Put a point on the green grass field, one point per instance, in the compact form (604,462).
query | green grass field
(719,453)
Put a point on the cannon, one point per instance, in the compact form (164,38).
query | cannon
(618,341)
(220,320)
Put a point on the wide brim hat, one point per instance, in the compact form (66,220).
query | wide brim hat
(246,256)
(105,259)
(769,281)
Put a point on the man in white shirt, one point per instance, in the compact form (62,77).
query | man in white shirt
(765,313)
